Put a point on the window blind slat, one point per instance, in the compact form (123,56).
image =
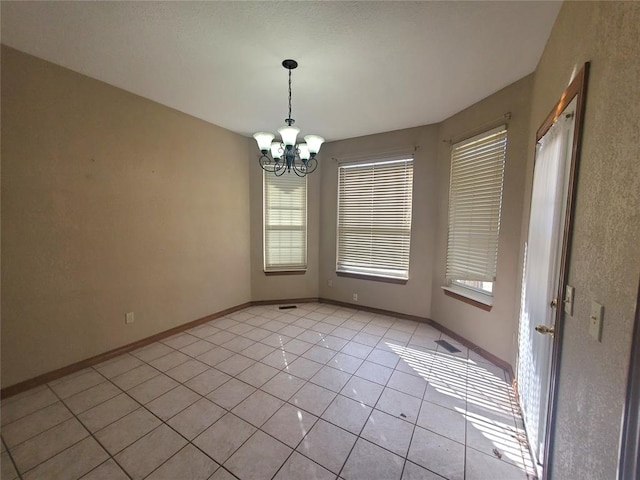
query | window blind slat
(285,222)
(374,218)
(475,202)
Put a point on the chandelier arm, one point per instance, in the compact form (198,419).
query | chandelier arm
(279,170)
(303,169)
(267,163)
(297,169)
(312,164)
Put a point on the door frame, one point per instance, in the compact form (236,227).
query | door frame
(576,89)
(629,467)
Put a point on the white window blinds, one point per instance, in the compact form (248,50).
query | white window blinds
(475,199)
(374,218)
(285,222)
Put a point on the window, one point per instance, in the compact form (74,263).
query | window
(374,218)
(475,200)
(285,222)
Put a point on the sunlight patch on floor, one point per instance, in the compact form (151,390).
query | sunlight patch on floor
(491,407)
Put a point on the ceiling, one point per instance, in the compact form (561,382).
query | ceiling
(364,67)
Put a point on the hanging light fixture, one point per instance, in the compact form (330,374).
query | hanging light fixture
(286,155)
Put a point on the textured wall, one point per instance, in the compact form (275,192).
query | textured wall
(605,259)
(494,331)
(275,287)
(110,203)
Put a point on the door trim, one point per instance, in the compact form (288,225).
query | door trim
(629,466)
(576,89)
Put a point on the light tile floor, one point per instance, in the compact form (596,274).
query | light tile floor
(315,392)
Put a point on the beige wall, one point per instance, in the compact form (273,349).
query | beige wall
(423,294)
(279,287)
(414,298)
(110,203)
(605,259)
(496,330)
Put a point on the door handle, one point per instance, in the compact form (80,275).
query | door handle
(544,330)
(554,303)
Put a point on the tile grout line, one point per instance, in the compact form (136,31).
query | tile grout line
(162,422)
(6,447)
(266,421)
(229,412)
(466,423)
(141,405)
(415,425)
(352,375)
(308,381)
(62,401)
(323,335)
(88,431)
(73,416)
(286,402)
(359,436)
(92,434)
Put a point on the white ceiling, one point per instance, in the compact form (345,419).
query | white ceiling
(365,67)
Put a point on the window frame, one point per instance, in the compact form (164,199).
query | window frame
(372,273)
(456,287)
(284,269)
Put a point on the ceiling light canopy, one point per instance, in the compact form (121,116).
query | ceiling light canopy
(286,155)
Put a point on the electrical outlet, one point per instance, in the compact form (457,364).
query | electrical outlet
(128,318)
(595,321)
(330,283)
(355,297)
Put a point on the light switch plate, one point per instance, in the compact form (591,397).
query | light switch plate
(128,318)
(595,321)
(568,300)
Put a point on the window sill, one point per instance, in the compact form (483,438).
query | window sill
(484,302)
(274,273)
(375,278)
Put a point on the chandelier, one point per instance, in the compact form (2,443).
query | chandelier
(286,155)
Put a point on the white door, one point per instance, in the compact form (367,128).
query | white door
(540,287)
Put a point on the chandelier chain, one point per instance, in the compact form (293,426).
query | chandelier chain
(289,94)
